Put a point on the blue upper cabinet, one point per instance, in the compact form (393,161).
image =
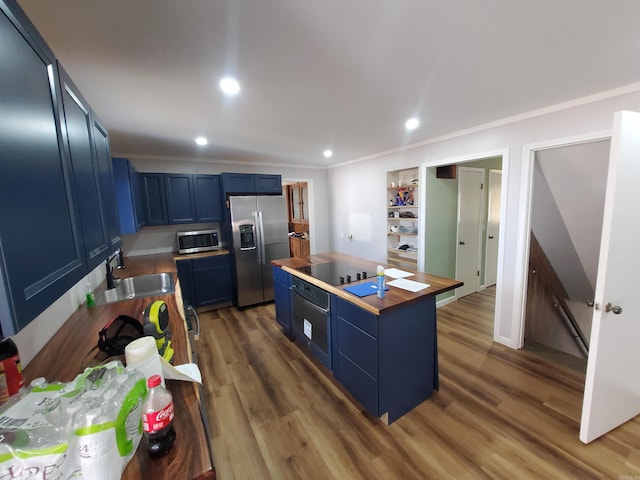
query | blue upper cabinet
(207,198)
(85,172)
(270,184)
(154,198)
(238,183)
(128,198)
(40,239)
(180,198)
(107,187)
(248,183)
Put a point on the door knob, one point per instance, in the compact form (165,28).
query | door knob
(490,237)
(461,242)
(615,309)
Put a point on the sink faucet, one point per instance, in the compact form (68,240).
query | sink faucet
(109,274)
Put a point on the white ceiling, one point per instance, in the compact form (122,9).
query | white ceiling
(339,74)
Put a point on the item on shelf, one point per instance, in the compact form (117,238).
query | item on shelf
(407,215)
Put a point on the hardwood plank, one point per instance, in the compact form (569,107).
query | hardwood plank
(499,413)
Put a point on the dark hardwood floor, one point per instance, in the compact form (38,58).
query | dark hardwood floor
(500,413)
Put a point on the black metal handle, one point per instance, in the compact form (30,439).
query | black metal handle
(461,242)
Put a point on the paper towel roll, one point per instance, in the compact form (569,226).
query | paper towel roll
(143,354)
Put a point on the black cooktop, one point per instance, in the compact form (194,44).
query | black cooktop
(336,273)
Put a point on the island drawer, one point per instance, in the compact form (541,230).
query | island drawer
(359,383)
(356,316)
(359,346)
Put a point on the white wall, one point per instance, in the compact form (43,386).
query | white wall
(585,167)
(367,177)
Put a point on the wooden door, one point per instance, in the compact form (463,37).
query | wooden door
(470,207)
(612,387)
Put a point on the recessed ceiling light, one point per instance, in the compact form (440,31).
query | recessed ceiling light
(229,86)
(327,154)
(201,141)
(412,123)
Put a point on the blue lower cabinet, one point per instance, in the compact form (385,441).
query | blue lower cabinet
(281,285)
(212,280)
(205,281)
(357,353)
(388,362)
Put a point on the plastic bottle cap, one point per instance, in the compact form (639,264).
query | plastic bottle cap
(154,381)
(380,270)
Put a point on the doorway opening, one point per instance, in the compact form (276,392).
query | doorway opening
(299,214)
(457,221)
(565,232)
(441,227)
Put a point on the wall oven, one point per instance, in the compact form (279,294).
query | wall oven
(198,241)
(311,325)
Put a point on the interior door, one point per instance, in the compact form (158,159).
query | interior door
(470,205)
(493,228)
(612,387)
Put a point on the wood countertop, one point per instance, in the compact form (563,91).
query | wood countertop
(394,297)
(64,357)
(187,256)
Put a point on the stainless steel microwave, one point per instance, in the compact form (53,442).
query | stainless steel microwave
(198,241)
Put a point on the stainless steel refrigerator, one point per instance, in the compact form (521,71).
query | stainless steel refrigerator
(259,235)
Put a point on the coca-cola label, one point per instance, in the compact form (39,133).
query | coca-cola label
(156,421)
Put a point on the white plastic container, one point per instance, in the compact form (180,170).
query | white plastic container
(142,354)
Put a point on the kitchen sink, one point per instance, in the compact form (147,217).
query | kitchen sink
(138,287)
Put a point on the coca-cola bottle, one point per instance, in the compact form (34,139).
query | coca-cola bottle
(157,418)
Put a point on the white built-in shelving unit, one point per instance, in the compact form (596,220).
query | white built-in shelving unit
(402,218)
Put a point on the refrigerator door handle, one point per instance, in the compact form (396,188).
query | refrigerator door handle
(261,254)
(258,225)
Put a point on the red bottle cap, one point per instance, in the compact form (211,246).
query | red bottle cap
(154,381)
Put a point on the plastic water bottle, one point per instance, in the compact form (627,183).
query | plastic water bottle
(380,281)
(157,418)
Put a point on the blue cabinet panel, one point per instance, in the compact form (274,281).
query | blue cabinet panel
(357,316)
(180,199)
(85,172)
(271,184)
(212,280)
(41,249)
(105,172)
(185,276)
(207,198)
(128,198)
(249,183)
(238,183)
(154,198)
(359,383)
(282,296)
(358,346)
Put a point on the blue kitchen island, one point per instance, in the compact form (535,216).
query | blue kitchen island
(383,351)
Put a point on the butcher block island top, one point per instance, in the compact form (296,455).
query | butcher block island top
(394,297)
(64,357)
